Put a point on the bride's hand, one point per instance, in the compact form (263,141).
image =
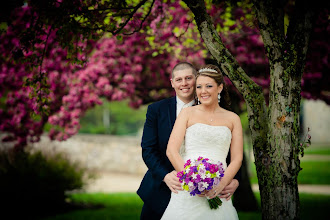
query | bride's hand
(213,192)
(202,194)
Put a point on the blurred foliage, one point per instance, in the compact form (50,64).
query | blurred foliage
(123,119)
(33,184)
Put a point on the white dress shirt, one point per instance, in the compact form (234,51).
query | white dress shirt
(181,105)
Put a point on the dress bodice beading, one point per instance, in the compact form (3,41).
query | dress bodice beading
(208,141)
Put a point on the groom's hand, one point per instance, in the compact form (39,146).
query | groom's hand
(172,181)
(229,190)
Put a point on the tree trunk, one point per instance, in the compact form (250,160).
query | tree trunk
(278,165)
(274,129)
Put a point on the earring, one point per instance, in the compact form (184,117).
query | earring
(219,97)
(198,102)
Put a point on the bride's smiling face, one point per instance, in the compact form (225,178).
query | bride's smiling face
(207,90)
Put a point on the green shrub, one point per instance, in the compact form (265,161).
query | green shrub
(32,184)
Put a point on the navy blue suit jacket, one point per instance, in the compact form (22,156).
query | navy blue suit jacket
(158,126)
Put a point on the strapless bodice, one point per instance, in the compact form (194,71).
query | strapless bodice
(208,141)
(212,142)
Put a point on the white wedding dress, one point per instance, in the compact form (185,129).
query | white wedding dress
(212,142)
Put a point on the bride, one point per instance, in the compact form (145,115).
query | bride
(208,131)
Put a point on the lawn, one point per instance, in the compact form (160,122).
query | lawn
(313,172)
(128,206)
(319,150)
(103,206)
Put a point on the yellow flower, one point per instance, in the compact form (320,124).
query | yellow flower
(185,187)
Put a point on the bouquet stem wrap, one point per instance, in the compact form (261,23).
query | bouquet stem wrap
(215,202)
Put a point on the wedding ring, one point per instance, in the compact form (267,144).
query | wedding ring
(215,192)
(228,194)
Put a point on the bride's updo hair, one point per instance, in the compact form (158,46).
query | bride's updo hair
(215,73)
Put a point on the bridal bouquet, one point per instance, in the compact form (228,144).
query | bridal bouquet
(201,175)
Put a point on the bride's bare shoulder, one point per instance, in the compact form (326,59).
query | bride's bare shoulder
(189,110)
(194,108)
(231,115)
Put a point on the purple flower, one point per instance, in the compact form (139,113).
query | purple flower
(208,180)
(205,160)
(202,186)
(182,177)
(198,162)
(195,191)
(191,172)
(180,174)
(187,163)
(207,166)
(187,180)
(191,186)
(201,171)
(213,168)
(197,179)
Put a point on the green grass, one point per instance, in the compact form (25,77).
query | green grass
(106,206)
(314,206)
(317,150)
(128,206)
(313,172)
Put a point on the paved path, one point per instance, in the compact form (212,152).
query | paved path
(115,182)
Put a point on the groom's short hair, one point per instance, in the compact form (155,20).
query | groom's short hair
(183,66)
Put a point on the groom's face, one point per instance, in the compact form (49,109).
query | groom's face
(183,82)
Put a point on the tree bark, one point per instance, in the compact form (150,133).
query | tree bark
(286,54)
(274,129)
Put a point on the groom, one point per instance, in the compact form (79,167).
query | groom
(160,179)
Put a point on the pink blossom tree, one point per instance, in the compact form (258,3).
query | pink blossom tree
(55,90)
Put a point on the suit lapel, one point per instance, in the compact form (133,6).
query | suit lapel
(172,111)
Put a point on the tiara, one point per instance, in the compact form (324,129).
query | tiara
(207,70)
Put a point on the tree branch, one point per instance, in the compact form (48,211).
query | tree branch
(143,20)
(224,58)
(298,34)
(270,18)
(121,27)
